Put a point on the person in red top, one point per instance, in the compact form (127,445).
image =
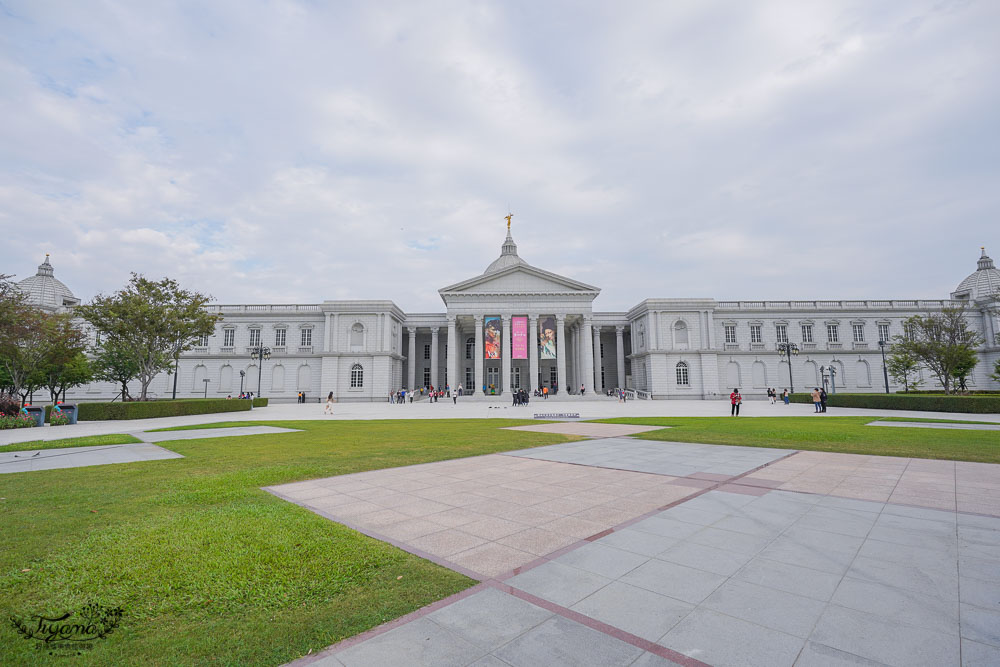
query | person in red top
(735,399)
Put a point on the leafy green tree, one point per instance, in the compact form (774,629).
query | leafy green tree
(940,342)
(996,370)
(151,323)
(114,363)
(962,371)
(63,363)
(903,366)
(74,372)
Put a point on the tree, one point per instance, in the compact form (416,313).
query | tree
(902,366)
(74,372)
(941,342)
(113,363)
(962,371)
(150,323)
(62,364)
(996,370)
(22,350)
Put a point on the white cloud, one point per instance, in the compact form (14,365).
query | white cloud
(298,152)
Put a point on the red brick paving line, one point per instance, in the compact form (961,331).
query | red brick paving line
(386,627)
(593,624)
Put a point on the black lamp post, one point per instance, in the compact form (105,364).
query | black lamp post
(833,379)
(242,375)
(789,350)
(260,354)
(885,371)
(205,380)
(177,365)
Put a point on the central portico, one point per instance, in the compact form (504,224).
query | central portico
(493,326)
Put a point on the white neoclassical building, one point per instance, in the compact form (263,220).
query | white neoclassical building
(519,326)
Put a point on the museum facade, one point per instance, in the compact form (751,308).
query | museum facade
(518,326)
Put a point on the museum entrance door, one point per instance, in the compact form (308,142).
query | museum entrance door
(492,379)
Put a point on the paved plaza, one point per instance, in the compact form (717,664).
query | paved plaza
(678,553)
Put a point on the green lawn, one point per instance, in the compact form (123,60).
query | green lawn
(85,441)
(825,434)
(209,567)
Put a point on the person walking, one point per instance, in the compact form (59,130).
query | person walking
(817,403)
(735,399)
(822,399)
(786,397)
(328,410)
(545,393)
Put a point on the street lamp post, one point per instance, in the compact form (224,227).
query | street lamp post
(177,365)
(205,380)
(260,354)
(833,379)
(789,350)
(242,375)
(885,371)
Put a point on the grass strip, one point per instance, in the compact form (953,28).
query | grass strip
(84,441)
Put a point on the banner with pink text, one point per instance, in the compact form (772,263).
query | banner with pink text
(519,337)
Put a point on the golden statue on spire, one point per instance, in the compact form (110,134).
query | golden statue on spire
(507,218)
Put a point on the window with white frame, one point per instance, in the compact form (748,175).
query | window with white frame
(470,347)
(201,341)
(883,332)
(254,337)
(807,333)
(858,330)
(755,334)
(427,351)
(306,339)
(730,333)
(832,333)
(781,332)
(682,374)
(357,375)
(280,335)
(228,337)
(427,377)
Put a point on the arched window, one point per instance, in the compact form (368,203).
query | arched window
(357,335)
(680,333)
(470,347)
(357,376)
(682,374)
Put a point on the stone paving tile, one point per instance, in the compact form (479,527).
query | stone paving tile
(643,613)
(722,640)
(80,457)
(489,619)
(420,642)
(976,654)
(559,583)
(560,641)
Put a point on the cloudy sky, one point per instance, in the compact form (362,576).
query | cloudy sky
(298,151)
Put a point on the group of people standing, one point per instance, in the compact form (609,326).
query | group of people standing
(772,395)
(819,399)
(520,397)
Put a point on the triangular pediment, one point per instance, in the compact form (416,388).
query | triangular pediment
(520,279)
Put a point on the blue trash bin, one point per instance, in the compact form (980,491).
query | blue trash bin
(70,410)
(37,413)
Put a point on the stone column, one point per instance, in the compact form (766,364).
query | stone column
(654,332)
(326,334)
(620,341)
(598,384)
(452,353)
(532,352)
(505,356)
(411,360)
(587,345)
(561,349)
(434,357)
(480,378)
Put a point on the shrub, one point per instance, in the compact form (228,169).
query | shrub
(928,402)
(260,402)
(150,409)
(58,418)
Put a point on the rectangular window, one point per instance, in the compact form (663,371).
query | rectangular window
(427,377)
(781,331)
(202,341)
(908,331)
(602,350)
(470,346)
(755,335)
(307,338)
(859,332)
(883,332)
(427,351)
(807,333)
(254,337)
(279,337)
(730,333)
(832,334)
(228,337)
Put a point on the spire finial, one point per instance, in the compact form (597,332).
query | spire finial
(507,218)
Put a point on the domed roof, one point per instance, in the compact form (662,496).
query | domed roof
(508,256)
(983,283)
(44,291)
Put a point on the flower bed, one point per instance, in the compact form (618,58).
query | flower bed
(17,420)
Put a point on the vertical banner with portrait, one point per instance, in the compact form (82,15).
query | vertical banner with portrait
(491,337)
(547,338)
(519,338)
